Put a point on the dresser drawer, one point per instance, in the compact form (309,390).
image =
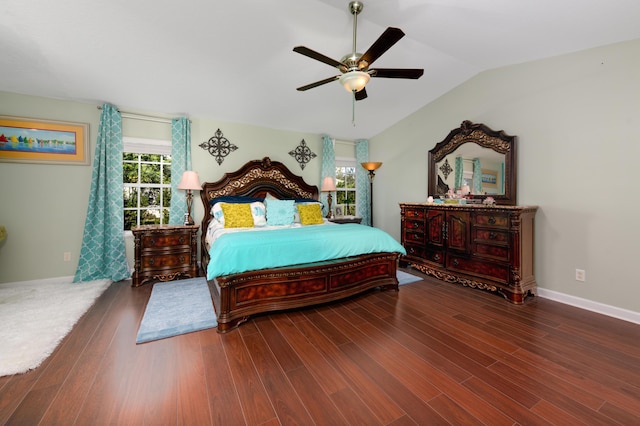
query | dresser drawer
(415,250)
(414,213)
(434,255)
(491,252)
(414,237)
(495,220)
(153,240)
(495,271)
(414,225)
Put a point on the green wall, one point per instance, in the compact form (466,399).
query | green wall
(577,118)
(43,207)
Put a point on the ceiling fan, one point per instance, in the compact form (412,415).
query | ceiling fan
(354,67)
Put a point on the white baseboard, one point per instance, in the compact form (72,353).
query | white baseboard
(589,305)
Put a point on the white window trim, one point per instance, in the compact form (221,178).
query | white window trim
(145,146)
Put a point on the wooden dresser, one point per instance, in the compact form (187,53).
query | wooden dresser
(490,248)
(165,253)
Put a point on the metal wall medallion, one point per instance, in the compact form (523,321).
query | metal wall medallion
(302,154)
(218,146)
(446,169)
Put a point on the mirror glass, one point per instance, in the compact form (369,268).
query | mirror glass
(475,162)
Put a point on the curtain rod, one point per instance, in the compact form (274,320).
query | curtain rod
(134,116)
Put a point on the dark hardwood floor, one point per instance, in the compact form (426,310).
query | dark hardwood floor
(433,353)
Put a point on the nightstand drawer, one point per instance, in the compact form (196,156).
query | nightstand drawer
(164,240)
(165,261)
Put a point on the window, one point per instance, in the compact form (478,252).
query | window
(346,187)
(146,166)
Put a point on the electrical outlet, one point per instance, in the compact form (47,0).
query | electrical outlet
(67,256)
(581,275)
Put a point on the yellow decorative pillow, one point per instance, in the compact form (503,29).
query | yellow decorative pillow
(310,214)
(237,215)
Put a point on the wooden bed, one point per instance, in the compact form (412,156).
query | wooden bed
(238,296)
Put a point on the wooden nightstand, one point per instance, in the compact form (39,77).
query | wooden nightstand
(345,219)
(165,253)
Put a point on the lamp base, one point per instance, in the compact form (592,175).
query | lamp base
(329,212)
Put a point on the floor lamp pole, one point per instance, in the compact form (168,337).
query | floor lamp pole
(371,176)
(371,167)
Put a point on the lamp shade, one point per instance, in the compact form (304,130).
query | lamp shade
(328,184)
(189,181)
(374,165)
(354,81)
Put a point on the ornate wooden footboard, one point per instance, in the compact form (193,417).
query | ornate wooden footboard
(238,296)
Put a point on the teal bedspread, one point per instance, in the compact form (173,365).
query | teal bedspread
(246,251)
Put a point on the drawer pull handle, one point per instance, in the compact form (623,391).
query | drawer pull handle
(492,220)
(412,250)
(436,257)
(415,214)
(416,225)
(152,241)
(152,261)
(181,240)
(455,262)
(493,235)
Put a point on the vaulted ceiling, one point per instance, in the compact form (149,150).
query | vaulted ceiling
(233,60)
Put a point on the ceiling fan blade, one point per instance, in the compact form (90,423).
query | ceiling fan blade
(319,57)
(389,37)
(397,72)
(318,83)
(361,94)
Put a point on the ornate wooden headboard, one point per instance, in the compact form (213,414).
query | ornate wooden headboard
(255,179)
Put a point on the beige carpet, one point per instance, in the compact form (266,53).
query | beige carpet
(36,315)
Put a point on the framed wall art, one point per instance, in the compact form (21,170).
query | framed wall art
(489,178)
(33,140)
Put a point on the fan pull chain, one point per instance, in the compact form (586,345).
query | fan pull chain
(353,109)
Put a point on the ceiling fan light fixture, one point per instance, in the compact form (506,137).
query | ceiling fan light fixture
(354,81)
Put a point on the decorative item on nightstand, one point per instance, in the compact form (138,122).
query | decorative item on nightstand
(328,185)
(371,167)
(189,182)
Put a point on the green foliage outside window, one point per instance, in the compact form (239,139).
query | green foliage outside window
(346,193)
(147,189)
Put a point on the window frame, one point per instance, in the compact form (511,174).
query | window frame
(344,162)
(139,147)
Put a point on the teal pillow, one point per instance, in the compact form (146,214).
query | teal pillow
(280,212)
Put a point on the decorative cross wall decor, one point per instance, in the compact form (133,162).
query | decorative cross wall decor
(302,154)
(218,146)
(446,169)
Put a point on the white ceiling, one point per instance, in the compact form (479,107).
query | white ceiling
(233,60)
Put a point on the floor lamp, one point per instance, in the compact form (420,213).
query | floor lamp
(371,167)
(328,185)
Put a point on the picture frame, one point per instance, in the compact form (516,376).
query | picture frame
(489,178)
(34,140)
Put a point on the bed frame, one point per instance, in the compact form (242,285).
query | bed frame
(238,296)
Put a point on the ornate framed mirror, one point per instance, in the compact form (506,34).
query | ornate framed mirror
(476,162)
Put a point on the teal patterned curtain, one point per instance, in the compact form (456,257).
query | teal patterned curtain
(328,169)
(102,255)
(363,187)
(477,176)
(459,173)
(180,161)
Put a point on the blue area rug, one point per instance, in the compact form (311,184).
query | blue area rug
(177,307)
(405,278)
